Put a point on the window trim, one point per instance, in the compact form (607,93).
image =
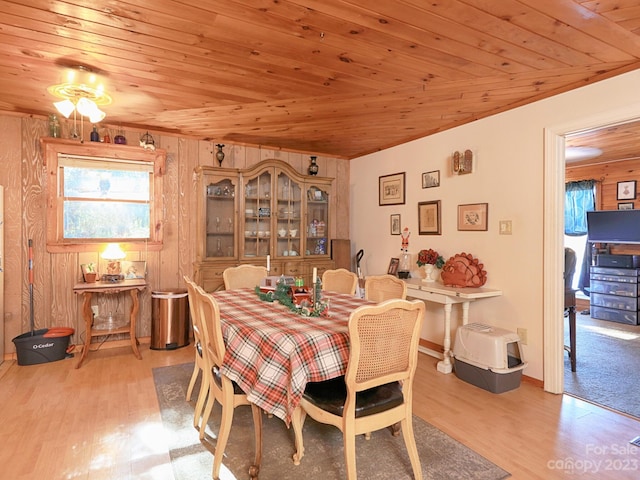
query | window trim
(53,147)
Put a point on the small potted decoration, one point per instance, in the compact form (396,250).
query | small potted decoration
(90,273)
(429,259)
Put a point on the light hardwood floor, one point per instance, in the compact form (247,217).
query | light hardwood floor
(102,422)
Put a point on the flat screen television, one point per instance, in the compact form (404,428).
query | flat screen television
(613,226)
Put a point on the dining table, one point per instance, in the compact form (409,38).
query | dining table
(272,352)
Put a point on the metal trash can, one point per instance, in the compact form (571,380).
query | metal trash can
(169,319)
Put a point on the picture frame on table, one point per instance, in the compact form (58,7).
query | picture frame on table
(429,221)
(393,266)
(625,206)
(473,217)
(395,224)
(431,179)
(391,189)
(134,269)
(627,190)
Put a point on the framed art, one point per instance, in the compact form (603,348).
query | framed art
(395,224)
(431,179)
(391,189)
(627,190)
(134,269)
(393,266)
(429,218)
(625,206)
(473,216)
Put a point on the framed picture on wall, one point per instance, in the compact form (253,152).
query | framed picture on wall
(627,190)
(431,179)
(473,217)
(429,218)
(391,189)
(625,206)
(395,224)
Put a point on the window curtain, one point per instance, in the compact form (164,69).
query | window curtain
(579,199)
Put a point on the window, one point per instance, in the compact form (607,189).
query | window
(100,193)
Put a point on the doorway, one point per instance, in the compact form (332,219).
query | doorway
(554,355)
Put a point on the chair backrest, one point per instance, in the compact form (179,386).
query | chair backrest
(379,288)
(213,328)
(384,345)
(193,310)
(340,280)
(243,276)
(570,260)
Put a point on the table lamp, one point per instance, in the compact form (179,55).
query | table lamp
(113,254)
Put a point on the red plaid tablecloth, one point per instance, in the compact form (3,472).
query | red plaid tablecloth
(272,352)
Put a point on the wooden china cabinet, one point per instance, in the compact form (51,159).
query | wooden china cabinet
(269,209)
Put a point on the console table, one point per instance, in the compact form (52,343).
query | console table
(447,296)
(108,288)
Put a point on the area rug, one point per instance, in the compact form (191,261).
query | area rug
(381,457)
(607,356)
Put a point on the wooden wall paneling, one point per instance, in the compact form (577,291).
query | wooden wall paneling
(341,186)
(168,274)
(14,252)
(187,161)
(33,218)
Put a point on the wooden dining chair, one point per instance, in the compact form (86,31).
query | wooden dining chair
(379,288)
(221,389)
(199,360)
(243,276)
(377,389)
(340,280)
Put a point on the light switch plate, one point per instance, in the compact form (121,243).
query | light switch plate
(505,227)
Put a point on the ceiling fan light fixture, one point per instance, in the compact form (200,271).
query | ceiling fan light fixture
(575,154)
(82,90)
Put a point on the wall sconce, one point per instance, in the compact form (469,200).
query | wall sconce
(113,254)
(462,163)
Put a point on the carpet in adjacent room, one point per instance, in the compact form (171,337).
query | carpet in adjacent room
(607,353)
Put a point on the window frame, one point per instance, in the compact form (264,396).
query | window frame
(54,148)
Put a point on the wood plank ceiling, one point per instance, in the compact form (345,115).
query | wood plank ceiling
(326,77)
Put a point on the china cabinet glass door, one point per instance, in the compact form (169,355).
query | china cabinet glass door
(317,228)
(257,216)
(289,215)
(220,218)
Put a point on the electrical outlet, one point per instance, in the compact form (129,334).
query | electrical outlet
(522,333)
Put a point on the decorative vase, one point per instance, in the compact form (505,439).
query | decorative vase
(313,166)
(428,270)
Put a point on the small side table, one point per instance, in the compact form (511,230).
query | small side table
(133,286)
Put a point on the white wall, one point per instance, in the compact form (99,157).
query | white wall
(510,177)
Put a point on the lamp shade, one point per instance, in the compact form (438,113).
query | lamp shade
(65,107)
(113,252)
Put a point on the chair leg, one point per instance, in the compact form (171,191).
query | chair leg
(254,470)
(297,422)
(202,396)
(349,438)
(223,434)
(410,441)
(211,400)
(192,382)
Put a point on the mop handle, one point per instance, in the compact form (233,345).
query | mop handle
(31,261)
